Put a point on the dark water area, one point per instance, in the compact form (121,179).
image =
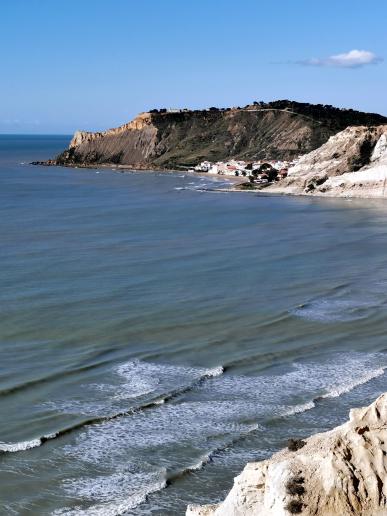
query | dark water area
(155,337)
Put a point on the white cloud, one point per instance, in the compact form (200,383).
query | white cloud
(351,59)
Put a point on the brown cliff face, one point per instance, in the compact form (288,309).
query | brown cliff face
(278,130)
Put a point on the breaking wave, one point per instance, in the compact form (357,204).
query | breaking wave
(138,378)
(197,416)
(216,415)
(350,384)
(115,494)
(20,446)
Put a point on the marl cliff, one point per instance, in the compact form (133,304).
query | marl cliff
(182,138)
(353,163)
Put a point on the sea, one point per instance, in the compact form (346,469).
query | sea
(157,334)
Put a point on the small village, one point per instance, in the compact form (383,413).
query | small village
(258,172)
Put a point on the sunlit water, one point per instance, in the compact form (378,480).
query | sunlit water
(155,337)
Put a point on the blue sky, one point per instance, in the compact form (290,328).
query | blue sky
(94,64)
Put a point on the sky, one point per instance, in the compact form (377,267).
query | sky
(95,64)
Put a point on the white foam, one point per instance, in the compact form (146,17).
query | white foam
(25,445)
(139,378)
(337,374)
(115,494)
(183,424)
(227,405)
(343,304)
(212,373)
(182,434)
(132,380)
(20,446)
(349,385)
(297,409)
(331,310)
(201,462)
(294,390)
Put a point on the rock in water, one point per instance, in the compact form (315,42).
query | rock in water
(338,473)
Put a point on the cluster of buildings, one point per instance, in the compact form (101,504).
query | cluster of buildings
(260,171)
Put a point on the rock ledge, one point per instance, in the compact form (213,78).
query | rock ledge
(340,472)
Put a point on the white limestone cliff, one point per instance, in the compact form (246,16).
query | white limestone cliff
(340,472)
(353,163)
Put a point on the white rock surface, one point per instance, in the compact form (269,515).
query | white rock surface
(344,473)
(353,163)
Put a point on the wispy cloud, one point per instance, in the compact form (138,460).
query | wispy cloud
(351,59)
(16,122)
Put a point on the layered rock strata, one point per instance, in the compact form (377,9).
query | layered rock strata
(353,163)
(182,138)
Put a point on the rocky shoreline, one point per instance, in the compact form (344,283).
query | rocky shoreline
(179,139)
(351,164)
(340,472)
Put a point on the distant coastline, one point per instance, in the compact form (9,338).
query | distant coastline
(280,147)
(180,139)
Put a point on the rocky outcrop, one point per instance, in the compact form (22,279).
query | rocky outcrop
(353,163)
(138,124)
(173,139)
(341,472)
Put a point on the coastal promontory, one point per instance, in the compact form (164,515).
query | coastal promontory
(180,138)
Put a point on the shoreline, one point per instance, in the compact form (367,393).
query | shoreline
(132,169)
(348,192)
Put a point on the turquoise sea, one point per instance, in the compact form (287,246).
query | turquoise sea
(155,337)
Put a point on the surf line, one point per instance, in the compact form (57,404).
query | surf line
(174,476)
(159,400)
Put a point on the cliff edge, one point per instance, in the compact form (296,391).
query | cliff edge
(170,139)
(353,163)
(341,472)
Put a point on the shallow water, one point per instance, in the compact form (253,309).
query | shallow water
(155,337)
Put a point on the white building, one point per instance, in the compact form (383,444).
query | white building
(204,166)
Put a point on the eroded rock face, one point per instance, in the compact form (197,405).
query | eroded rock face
(353,163)
(341,472)
(138,124)
(276,130)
